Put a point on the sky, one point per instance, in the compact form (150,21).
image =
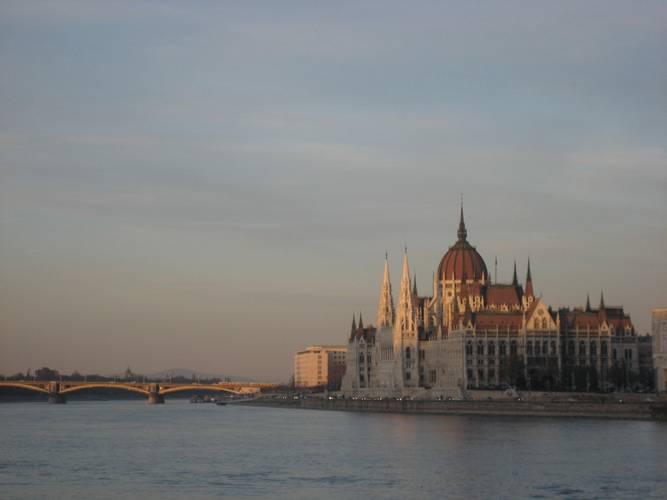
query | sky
(213,184)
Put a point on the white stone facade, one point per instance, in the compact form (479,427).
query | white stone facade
(659,330)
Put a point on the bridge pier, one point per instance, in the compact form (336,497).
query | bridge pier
(154,396)
(155,399)
(55,397)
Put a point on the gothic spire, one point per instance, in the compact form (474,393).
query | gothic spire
(603,311)
(588,303)
(405,314)
(515,280)
(529,282)
(414,285)
(361,321)
(462,232)
(354,324)
(386,303)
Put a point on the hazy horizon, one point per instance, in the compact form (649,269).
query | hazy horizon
(214,185)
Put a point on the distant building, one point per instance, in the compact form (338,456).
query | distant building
(321,365)
(472,332)
(659,321)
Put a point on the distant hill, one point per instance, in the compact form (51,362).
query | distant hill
(188,373)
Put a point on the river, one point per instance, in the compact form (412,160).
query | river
(128,449)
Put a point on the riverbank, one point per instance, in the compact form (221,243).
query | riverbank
(578,409)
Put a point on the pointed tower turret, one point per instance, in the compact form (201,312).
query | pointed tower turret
(354,325)
(515,279)
(603,310)
(588,303)
(386,303)
(529,282)
(414,285)
(361,321)
(405,331)
(405,315)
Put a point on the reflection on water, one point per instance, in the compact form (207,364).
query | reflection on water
(127,449)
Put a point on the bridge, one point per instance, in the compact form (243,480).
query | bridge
(155,391)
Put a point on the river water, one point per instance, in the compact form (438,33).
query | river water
(128,449)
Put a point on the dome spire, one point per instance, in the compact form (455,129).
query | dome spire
(462,232)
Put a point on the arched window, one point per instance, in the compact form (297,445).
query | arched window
(503,348)
(582,348)
(603,348)
(513,348)
(407,353)
(594,349)
(545,348)
(469,348)
(544,323)
(570,347)
(480,348)
(553,347)
(491,347)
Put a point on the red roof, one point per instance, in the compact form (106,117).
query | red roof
(614,316)
(503,294)
(492,320)
(584,320)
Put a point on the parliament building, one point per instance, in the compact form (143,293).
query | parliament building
(474,333)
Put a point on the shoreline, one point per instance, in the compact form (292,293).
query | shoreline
(601,410)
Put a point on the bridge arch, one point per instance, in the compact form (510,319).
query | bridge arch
(19,385)
(103,385)
(194,387)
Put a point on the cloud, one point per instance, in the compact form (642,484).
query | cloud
(230,158)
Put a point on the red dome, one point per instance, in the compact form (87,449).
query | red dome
(462,260)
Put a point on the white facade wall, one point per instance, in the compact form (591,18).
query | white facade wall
(659,331)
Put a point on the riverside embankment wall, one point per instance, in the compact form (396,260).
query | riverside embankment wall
(580,409)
